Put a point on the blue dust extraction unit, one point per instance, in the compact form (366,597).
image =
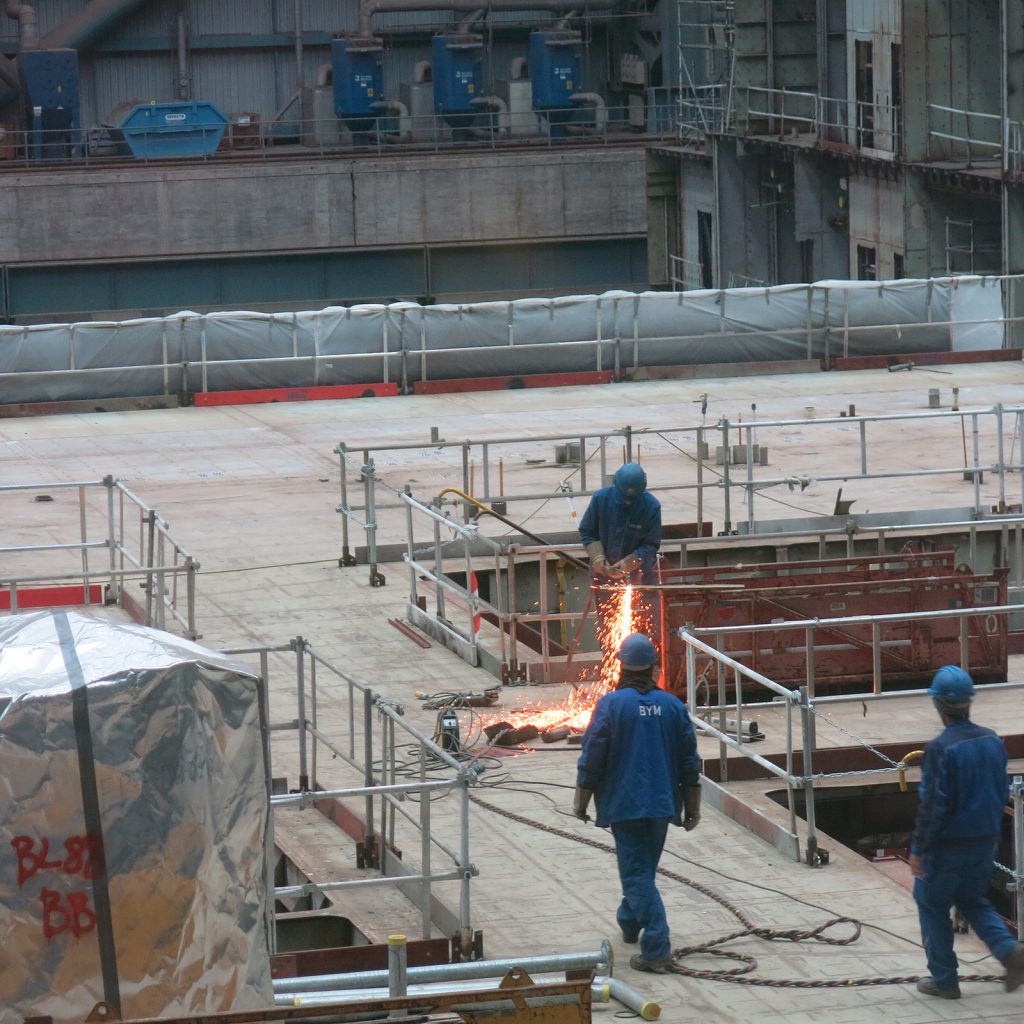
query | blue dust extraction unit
(357,69)
(49,85)
(556,59)
(457,69)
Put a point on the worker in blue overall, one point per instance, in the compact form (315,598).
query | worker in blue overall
(961,797)
(621,531)
(639,762)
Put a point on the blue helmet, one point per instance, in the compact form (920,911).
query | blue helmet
(630,480)
(637,651)
(952,685)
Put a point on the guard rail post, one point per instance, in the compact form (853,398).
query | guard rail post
(806,713)
(1018,851)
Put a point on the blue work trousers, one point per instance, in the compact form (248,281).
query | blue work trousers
(638,846)
(958,876)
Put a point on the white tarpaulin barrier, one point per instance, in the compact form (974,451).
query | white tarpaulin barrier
(403,343)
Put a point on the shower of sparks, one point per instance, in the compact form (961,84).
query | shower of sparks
(621,620)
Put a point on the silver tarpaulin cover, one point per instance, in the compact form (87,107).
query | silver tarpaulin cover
(133,820)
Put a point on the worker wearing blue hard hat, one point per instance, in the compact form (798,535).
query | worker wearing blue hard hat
(621,531)
(961,797)
(639,762)
(621,528)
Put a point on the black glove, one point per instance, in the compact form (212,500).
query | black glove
(580,803)
(691,803)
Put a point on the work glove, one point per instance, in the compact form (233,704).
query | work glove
(628,565)
(580,803)
(691,803)
(598,561)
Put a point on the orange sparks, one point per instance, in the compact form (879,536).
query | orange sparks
(620,620)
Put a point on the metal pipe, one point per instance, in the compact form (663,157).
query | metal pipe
(28,27)
(368,8)
(629,997)
(598,992)
(452,972)
(87,24)
(184,90)
(299,75)
(397,966)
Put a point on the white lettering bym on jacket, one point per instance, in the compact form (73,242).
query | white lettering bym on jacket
(649,709)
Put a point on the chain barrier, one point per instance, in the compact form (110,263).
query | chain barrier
(853,736)
(740,975)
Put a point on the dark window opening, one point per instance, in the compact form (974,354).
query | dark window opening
(866,265)
(705,248)
(865,85)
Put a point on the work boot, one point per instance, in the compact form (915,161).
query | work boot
(929,988)
(655,966)
(1014,968)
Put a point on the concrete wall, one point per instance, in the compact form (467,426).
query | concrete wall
(223,207)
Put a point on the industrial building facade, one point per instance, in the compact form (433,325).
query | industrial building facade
(386,150)
(830,139)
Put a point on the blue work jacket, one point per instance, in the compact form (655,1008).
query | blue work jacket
(963,788)
(624,527)
(638,753)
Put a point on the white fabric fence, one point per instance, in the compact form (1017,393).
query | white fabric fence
(403,343)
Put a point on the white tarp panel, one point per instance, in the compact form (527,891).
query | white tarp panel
(404,342)
(976,312)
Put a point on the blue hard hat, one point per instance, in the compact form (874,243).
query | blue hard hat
(637,651)
(630,480)
(952,684)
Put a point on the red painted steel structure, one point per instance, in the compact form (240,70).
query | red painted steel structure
(837,588)
(52,597)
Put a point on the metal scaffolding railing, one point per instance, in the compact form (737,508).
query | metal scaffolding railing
(735,474)
(370,750)
(791,113)
(801,710)
(132,540)
(398,131)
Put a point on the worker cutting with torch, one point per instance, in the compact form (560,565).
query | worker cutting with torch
(621,531)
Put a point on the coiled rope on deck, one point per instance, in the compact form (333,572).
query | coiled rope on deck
(741,975)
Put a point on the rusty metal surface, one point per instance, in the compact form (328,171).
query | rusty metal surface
(863,585)
(515,999)
(337,960)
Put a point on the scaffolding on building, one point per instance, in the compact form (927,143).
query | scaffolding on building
(705,32)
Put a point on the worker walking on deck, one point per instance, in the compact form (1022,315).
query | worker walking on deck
(962,793)
(639,761)
(621,531)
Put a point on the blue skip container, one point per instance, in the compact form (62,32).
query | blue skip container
(157,131)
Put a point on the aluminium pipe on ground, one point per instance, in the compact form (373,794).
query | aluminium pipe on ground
(451,972)
(629,997)
(600,992)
